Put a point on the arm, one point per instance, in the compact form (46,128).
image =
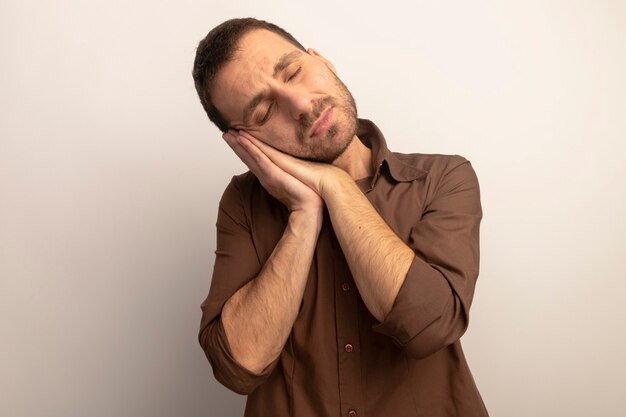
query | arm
(422,297)
(245,327)
(431,310)
(258,318)
(378,259)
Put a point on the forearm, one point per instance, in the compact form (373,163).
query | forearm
(258,318)
(378,258)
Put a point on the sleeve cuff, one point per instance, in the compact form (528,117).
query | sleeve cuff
(421,300)
(226,368)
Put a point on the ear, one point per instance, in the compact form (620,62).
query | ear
(316,54)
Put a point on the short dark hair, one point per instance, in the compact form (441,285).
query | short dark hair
(217,48)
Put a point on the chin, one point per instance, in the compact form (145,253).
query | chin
(338,146)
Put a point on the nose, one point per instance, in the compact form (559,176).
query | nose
(297,101)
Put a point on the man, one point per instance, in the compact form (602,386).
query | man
(344,273)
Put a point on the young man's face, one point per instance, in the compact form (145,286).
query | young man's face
(285,97)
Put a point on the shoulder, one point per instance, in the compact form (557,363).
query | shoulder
(246,197)
(241,187)
(236,197)
(432,167)
(432,163)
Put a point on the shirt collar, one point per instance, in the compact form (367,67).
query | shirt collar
(373,138)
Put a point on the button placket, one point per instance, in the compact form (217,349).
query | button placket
(348,337)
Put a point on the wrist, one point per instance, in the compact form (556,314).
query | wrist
(340,185)
(306,219)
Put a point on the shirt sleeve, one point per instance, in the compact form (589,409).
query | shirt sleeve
(431,309)
(236,263)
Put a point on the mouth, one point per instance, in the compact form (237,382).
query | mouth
(321,125)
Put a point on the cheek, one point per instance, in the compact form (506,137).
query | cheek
(282,123)
(319,80)
(283,137)
(277,134)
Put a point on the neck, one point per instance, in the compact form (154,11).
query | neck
(356,160)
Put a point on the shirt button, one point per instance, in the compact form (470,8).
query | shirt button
(351,413)
(345,286)
(348,348)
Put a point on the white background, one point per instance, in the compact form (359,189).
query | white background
(110,174)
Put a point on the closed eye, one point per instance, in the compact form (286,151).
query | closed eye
(268,112)
(292,76)
(267,115)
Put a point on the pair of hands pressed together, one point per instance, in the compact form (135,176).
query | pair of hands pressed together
(297,183)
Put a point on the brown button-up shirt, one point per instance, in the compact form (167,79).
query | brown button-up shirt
(339,360)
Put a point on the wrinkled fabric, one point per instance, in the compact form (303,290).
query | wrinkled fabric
(339,360)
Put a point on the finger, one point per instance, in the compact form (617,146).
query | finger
(241,151)
(255,159)
(267,149)
(266,153)
(294,166)
(228,138)
(246,134)
(283,160)
(305,171)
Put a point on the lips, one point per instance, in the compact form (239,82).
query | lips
(321,125)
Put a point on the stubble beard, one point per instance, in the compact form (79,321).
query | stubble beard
(330,147)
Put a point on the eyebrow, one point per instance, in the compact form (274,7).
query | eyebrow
(282,63)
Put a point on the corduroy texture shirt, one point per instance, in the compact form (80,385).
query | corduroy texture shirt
(339,360)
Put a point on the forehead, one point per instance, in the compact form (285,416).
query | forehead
(240,79)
